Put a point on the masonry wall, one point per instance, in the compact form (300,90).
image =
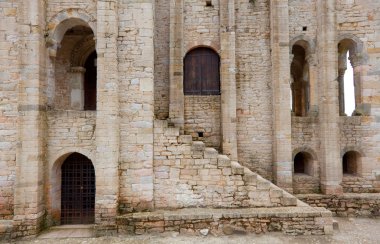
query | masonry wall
(188,174)
(254,86)
(136,86)
(305,139)
(302,14)
(9,79)
(346,205)
(361,19)
(56,6)
(203,115)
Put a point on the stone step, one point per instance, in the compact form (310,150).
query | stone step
(210,153)
(236,168)
(198,146)
(223,161)
(289,220)
(249,178)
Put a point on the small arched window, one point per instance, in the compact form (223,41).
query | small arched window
(201,72)
(303,163)
(351,162)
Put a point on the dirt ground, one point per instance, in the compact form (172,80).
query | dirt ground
(351,230)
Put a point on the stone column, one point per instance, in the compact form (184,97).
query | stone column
(282,151)
(29,208)
(313,91)
(77,88)
(107,119)
(228,78)
(342,67)
(176,104)
(361,108)
(330,160)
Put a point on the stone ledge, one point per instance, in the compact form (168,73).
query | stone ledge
(290,220)
(346,205)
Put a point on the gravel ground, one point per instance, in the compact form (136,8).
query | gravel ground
(352,230)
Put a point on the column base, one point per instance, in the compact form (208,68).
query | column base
(332,189)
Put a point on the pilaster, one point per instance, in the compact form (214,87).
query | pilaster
(330,161)
(228,78)
(29,208)
(107,119)
(176,104)
(282,152)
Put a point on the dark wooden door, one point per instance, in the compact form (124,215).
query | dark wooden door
(78,190)
(90,83)
(201,72)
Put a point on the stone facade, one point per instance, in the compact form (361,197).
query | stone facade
(153,147)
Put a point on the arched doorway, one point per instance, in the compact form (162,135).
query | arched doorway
(78,190)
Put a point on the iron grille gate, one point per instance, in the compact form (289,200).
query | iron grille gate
(78,190)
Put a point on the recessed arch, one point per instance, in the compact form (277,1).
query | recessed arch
(351,163)
(63,21)
(303,163)
(304,41)
(55,176)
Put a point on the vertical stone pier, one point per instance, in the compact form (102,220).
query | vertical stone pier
(282,151)
(331,163)
(176,103)
(228,77)
(29,208)
(107,118)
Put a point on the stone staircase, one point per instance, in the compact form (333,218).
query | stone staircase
(197,190)
(210,178)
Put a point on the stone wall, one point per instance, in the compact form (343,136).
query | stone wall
(188,174)
(135,52)
(302,14)
(9,79)
(346,205)
(254,86)
(202,114)
(312,221)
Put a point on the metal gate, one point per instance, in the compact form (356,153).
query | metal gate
(78,190)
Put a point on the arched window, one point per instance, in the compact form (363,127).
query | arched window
(348,93)
(351,161)
(75,69)
(201,72)
(300,86)
(303,163)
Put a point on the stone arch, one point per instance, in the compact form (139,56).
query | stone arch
(55,183)
(194,45)
(305,149)
(354,43)
(304,41)
(63,21)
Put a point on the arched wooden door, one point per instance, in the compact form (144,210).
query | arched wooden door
(201,69)
(78,190)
